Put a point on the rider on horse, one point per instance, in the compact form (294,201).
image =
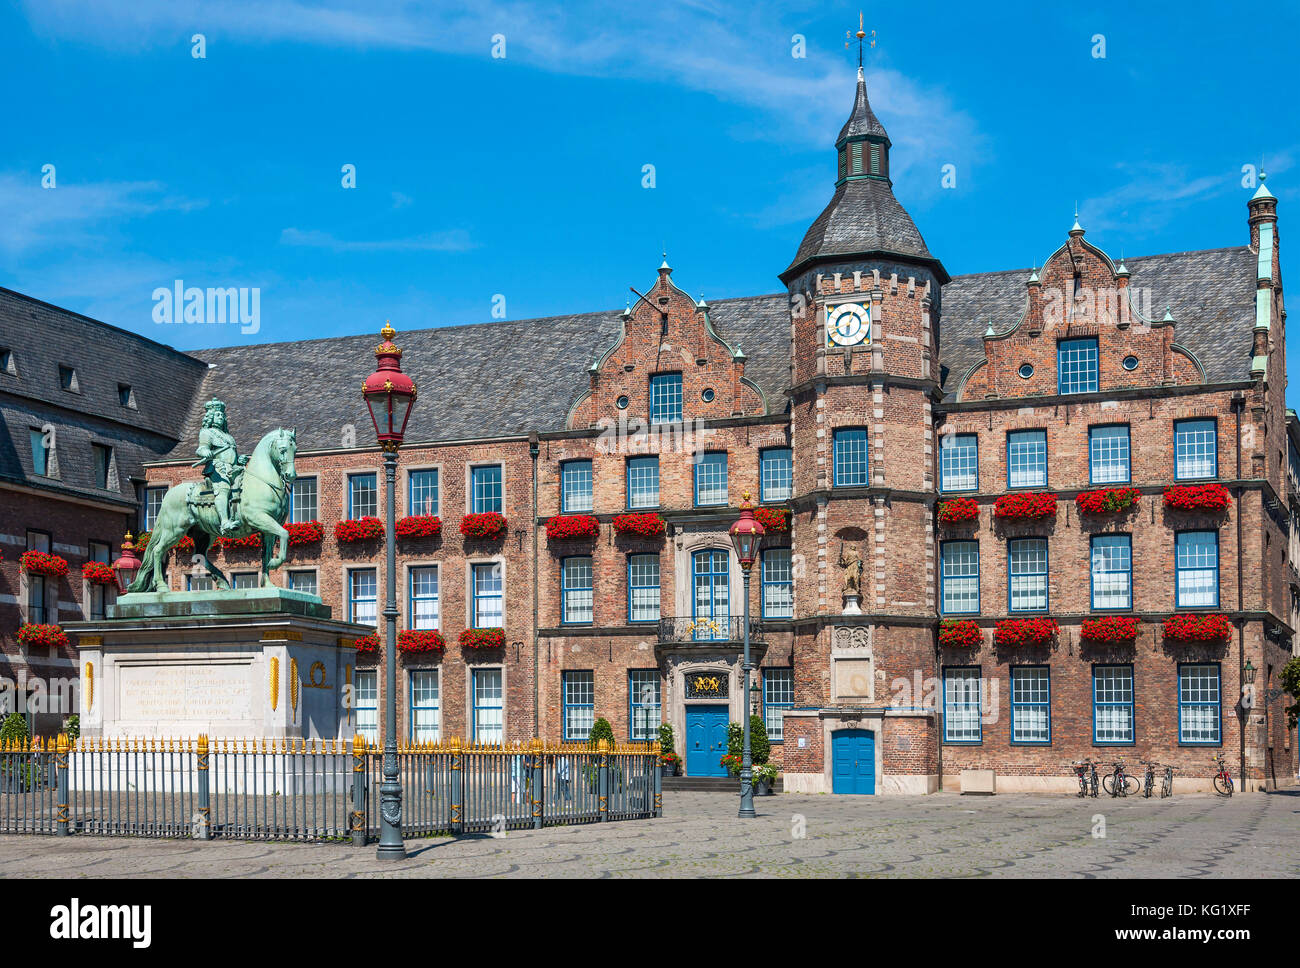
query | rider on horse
(223,465)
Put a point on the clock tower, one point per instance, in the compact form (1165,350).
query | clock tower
(864,317)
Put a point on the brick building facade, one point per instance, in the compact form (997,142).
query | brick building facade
(858,401)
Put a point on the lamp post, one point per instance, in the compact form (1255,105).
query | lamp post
(127,565)
(746,536)
(389,394)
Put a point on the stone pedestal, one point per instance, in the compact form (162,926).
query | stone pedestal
(239,663)
(851,605)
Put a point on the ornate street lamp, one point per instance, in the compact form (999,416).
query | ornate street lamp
(127,565)
(389,394)
(746,536)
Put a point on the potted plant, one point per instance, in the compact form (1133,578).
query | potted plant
(764,778)
(667,752)
(669,763)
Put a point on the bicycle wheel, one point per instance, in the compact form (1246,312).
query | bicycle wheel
(1223,785)
(1108,784)
(1167,786)
(1092,783)
(1131,786)
(1149,786)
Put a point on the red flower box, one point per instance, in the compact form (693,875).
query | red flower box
(773,519)
(644,525)
(304,532)
(248,541)
(98,573)
(410,640)
(488,526)
(1197,497)
(482,638)
(567,526)
(1025,631)
(1025,506)
(368,643)
(361,529)
(959,633)
(1107,500)
(418,526)
(185,545)
(39,563)
(1194,627)
(1109,628)
(50,636)
(958,509)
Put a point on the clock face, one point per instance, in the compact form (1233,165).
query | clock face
(848,324)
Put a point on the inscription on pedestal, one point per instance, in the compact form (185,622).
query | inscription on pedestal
(183,692)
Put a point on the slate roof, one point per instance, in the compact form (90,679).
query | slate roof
(40,338)
(862,216)
(862,120)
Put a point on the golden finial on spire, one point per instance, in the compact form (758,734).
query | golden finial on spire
(861,35)
(388,332)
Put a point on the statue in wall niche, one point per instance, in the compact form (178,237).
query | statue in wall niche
(239,496)
(851,562)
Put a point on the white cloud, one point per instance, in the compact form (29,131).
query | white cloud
(454,240)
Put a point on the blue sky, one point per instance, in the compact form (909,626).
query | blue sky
(521,176)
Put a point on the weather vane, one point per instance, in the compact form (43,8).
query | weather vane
(860,35)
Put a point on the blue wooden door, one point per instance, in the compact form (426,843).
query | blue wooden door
(853,761)
(706,740)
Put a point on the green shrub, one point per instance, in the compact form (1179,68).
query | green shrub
(601,729)
(666,738)
(72,726)
(760,747)
(14,728)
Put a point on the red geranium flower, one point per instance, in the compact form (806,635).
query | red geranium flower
(185,545)
(645,525)
(959,633)
(773,519)
(1025,506)
(958,509)
(418,526)
(1198,627)
(40,563)
(361,529)
(1197,497)
(253,540)
(1109,628)
(98,573)
(368,643)
(488,526)
(482,638)
(566,526)
(304,532)
(47,636)
(409,640)
(1025,631)
(1107,500)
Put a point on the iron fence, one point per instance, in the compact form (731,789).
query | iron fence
(315,790)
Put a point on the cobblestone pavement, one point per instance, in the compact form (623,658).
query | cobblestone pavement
(942,835)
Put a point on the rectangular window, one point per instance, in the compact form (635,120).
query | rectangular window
(961,705)
(1199,717)
(778,584)
(124,395)
(68,378)
(778,696)
(422,492)
(959,463)
(665,398)
(575,487)
(489,711)
(40,452)
(1027,574)
(426,721)
(775,474)
(302,501)
(1196,450)
(363,496)
(424,598)
(366,687)
(711,479)
(643,588)
(576,592)
(1112,571)
(1031,705)
(101,552)
(1196,567)
(643,483)
(153,498)
(244,579)
(1027,458)
(38,612)
(488,602)
(579,689)
(850,457)
(1108,455)
(959,577)
(303,581)
(643,691)
(486,486)
(1112,705)
(198,583)
(38,541)
(363,602)
(1076,365)
(101,458)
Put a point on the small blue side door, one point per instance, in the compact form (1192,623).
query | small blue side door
(706,740)
(853,761)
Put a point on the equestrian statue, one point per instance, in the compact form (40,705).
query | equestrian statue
(240,495)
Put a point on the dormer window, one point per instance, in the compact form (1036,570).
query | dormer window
(68,379)
(126,396)
(7,361)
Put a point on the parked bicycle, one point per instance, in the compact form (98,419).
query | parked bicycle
(1086,771)
(1149,780)
(1167,786)
(1121,783)
(1222,779)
